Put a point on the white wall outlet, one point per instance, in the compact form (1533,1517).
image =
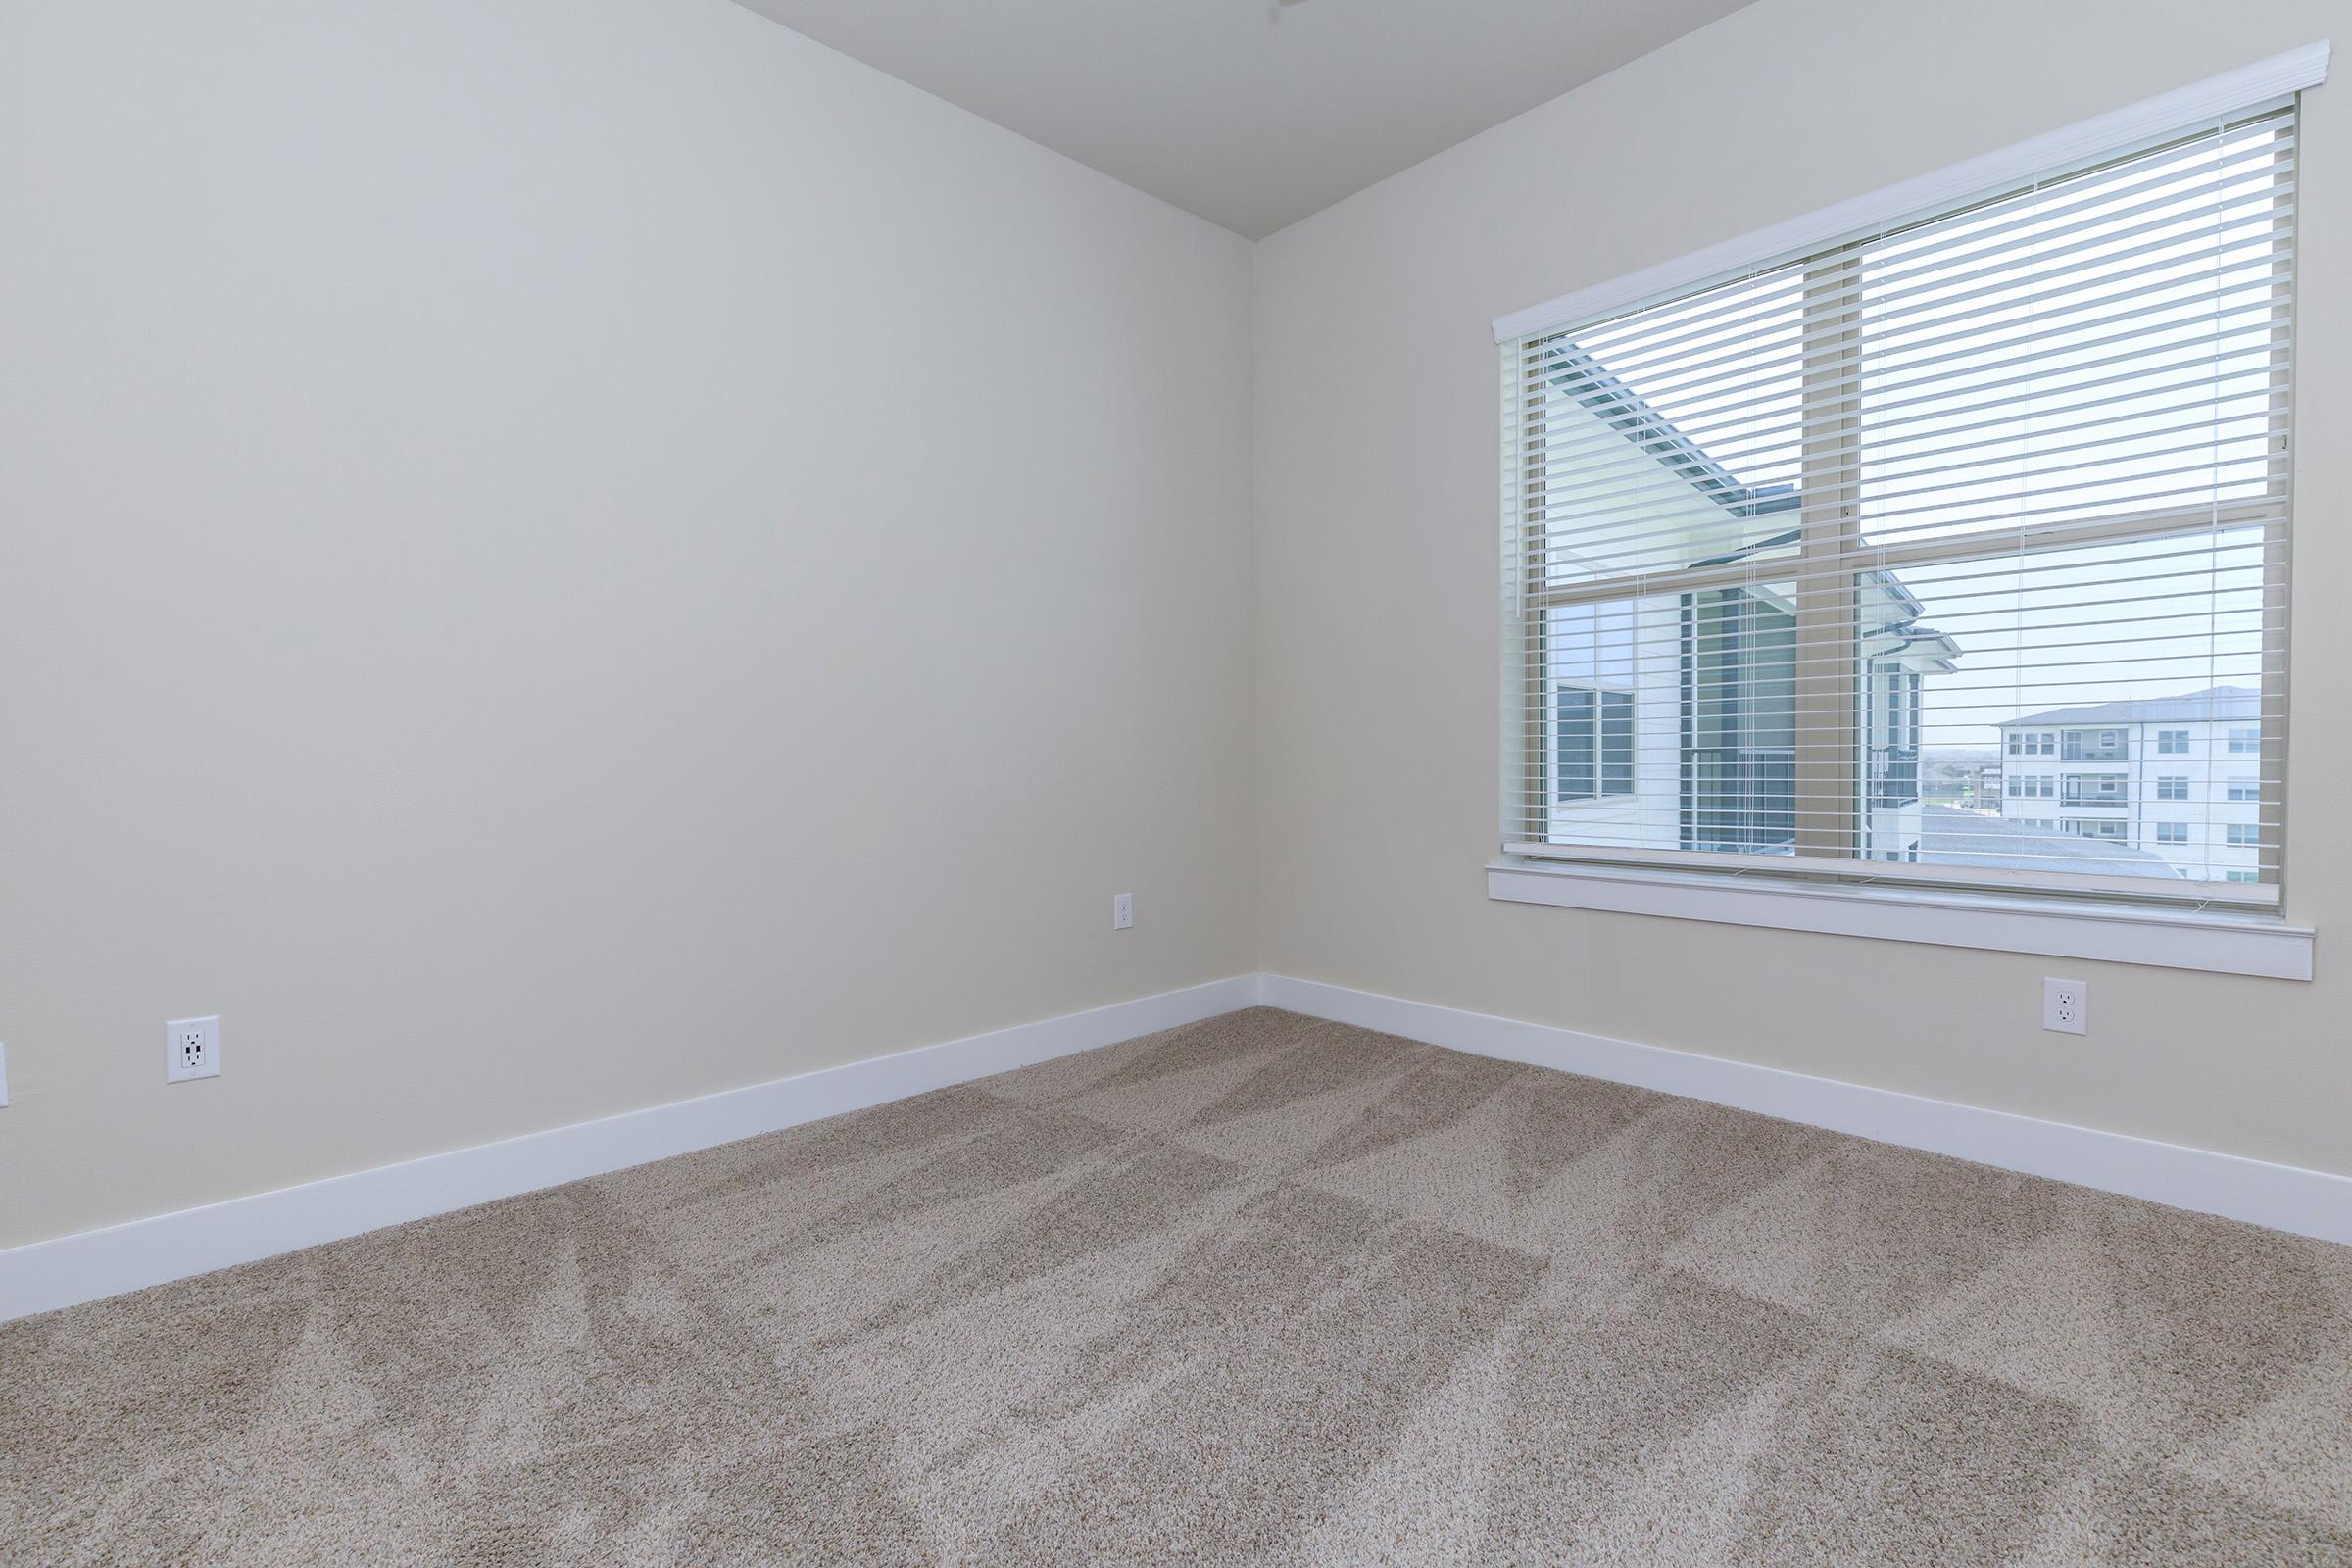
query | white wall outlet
(191,1050)
(1122,911)
(2065,1006)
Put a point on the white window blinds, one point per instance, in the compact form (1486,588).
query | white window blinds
(1951,552)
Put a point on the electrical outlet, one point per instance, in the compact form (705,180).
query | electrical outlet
(2065,1006)
(1122,911)
(191,1050)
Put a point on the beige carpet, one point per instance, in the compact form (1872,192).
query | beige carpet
(1259,1289)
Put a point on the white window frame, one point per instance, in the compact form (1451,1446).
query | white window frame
(2220,937)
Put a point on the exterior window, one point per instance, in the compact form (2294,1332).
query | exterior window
(2245,833)
(2171,832)
(1792,557)
(1593,663)
(1595,729)
(2242,876)
(2245,742)
(1577,742)
(2245,789)
(1616,743)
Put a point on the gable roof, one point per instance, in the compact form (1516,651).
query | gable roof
(2213,703)
(1629,413)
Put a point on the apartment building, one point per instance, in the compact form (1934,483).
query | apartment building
(2180,777)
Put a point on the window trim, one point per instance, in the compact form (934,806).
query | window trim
(1825,239)
(2218,941)
(1788,870)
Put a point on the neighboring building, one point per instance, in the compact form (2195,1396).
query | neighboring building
(1671,721)
(1987,795)
(2179,777)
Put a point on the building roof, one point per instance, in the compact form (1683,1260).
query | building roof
(2215,702)
(1625,411)
(1950,836)
(1631,415)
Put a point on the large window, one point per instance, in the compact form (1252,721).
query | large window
(1792,555)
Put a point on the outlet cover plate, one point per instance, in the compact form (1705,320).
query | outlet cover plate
(191,1050)
(2065,1006)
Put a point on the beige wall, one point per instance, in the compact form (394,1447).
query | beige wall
(559,555)
(556,557)
(1378,569)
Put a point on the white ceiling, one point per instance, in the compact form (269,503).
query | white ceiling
(1251,112)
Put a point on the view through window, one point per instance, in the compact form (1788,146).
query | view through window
(1958,546)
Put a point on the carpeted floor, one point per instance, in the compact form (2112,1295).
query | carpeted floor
(1259,1289)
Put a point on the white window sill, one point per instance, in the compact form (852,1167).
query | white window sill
(2225,943)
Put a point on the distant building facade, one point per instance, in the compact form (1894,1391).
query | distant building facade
(2178,777)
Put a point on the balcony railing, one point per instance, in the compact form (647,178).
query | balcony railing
(2094,745)
(1744,797)
(2095,789)
(1893,776)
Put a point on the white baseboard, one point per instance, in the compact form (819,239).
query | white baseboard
(2286,1198)
(43,1275)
